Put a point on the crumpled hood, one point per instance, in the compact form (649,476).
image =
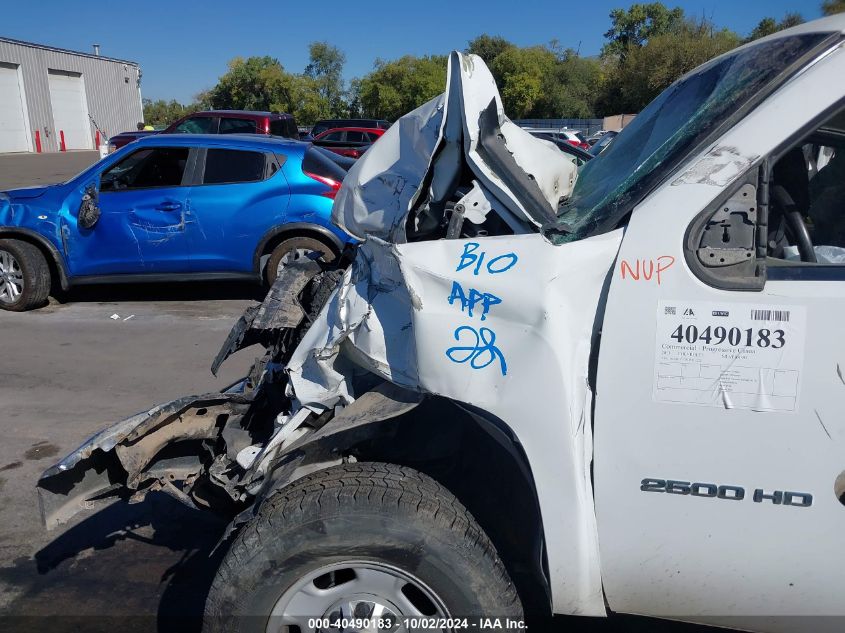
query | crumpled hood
(421,158)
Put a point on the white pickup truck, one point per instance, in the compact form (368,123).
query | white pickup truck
(536,390)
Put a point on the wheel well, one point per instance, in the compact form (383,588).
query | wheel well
(57,273)
(294,231)
(479,460)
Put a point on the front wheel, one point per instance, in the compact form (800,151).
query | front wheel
(381,544)
(24,276)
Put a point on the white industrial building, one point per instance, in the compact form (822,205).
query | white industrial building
(53,99)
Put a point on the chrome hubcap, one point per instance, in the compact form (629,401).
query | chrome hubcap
(354,597)
(11,278)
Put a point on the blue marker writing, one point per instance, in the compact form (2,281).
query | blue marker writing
(481,351)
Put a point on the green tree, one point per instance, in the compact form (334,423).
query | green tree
(396,87)
(634,27)
(546,82)
(488,47)
(769,25)
(161,113)
(830,7)
(255,83)
(647,70)
(326,70)
(572,90)
(307,103)
(521,74)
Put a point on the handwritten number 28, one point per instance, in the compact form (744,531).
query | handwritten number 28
(480,351)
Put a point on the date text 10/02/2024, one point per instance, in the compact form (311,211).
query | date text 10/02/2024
(477,347)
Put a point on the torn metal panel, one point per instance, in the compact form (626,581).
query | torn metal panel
(378,190)
(418,163)
(371,311)
(118,456)
(280,310)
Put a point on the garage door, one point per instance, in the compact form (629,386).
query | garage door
(14,130)
(70,109)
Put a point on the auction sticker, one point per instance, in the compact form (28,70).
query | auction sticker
(729,355)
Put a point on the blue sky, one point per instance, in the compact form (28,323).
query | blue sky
(183,47)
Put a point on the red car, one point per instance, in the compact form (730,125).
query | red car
(348,141)
(221,122)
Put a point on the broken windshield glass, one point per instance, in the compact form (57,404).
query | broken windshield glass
(689,113)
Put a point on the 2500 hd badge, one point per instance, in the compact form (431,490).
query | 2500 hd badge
(733,493)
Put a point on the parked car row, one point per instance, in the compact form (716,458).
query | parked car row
(216,195)
(220,122)
(250,122)
(348,141)
(573,137)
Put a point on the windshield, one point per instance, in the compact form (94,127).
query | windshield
(684,117)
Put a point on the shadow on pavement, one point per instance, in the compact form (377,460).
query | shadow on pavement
(152,563)
(184,291)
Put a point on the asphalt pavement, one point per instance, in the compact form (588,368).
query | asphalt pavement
(66,371)
(26,170)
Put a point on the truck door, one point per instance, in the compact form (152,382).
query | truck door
(720,435)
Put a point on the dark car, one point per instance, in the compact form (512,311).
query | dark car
(330,124)
(124,138)
(348,141)
(604,141)
(221,122)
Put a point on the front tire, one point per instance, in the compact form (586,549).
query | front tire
(24,276)
(295,245)
(361,540)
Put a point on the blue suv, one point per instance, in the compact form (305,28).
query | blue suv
(170,207)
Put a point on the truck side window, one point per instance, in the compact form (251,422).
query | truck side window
(197,125)
(806,223)
(237,126)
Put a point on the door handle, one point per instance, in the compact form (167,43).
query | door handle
(169,206)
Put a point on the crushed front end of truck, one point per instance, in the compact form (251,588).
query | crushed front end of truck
(455,294)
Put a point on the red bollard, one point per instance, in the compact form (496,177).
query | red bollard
(97,139)
(38,141)
(62,146)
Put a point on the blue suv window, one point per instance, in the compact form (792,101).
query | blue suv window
(148,167)
(233,165)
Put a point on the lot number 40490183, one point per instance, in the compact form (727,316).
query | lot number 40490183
(734,336)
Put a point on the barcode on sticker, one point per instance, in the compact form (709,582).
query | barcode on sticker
(770,315)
